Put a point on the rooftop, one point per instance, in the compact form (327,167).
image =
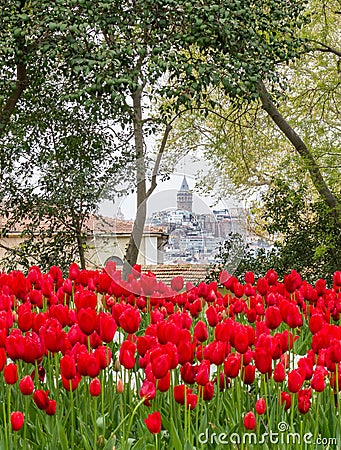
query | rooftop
(193,273)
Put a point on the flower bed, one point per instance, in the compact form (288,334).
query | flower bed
(94,361)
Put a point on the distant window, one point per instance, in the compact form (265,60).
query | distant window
(115,259)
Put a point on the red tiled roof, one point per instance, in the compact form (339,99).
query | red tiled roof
(101,224)
(193,273)
(96,224)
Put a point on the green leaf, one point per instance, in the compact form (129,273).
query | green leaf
(175,440)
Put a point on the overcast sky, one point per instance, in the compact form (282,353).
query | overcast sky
(164,196)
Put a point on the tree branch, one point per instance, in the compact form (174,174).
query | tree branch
(325,48)
(316,176)
(158,160)
(21,85)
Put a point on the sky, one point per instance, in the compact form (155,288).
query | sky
(164,196)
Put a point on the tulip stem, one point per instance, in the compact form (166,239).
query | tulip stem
(267,401)
(102,401)
(338,393)
(95,423)
(292,412)
(9,410)
(316,415)
(72,415)
(5,424)
(25,421)
(131,419)
(197,412)
(218,394)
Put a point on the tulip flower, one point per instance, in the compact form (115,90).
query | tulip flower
(260,406)
(153,422)
(26,385)
(41,399)
(95,387)
(250,421)
(17,420)
(11,373)
(51,408)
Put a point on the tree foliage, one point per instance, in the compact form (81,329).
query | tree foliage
(304,237)
(120,59)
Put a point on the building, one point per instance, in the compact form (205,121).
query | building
(184,197)
(106,240)
(109,239)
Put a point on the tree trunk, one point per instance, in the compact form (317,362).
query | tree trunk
(80,247)
(9,107)
(137,232)
(316,176)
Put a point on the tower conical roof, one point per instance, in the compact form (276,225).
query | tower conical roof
(184,185)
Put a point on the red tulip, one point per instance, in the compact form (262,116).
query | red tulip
(68,367)
(295,380)
(215,352)
(130,320)
(26,385)
(3,358)
(191,400)
(153,422)
(41,399)
(337,278)
(304,400)
(86,318)
(93,367)
(73,271)
(273,317)
(263,360)
(285,400)
(188,373)
(185,352)
(279,373)
(232,366)
(17,420)
(262,286)
(241,340)
(307,365)
(127,354)
(248,374)
(160,366)
(203,374)
(104,356)
(11,373)
(292,281)
(148,283)
(52,407)
(222,331)
(180,392)
(250,421)
(177,283)
(61,313)
(25,317)
(73,383)
(260,406)
(163,384)
(200,331)
(335,350)
(95,387)
(249,277)
(148,390)
(318,383)
(212,316)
